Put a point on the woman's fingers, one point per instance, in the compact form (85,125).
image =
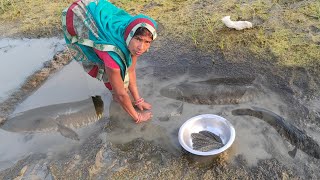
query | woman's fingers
(146,106)
(140,107)
(145,116)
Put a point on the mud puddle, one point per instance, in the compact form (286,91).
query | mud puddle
(69,85)
(17,146)
(22,57)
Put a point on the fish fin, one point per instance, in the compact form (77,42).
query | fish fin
(98,105)
(178,111)
(67,132)
(293,152)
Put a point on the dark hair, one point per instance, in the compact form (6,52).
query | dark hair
(142,31)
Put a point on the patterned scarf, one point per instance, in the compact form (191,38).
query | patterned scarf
(98,24)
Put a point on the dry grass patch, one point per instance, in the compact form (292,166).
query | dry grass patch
(286,32)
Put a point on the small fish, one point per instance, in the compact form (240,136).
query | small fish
(198,136)
(202,142)
(207,147)
(206,141)
(211,135)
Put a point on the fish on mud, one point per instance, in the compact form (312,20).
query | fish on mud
(286,130)
(175,112)
(178,111)
(212,91)
(206,141)
(58,117)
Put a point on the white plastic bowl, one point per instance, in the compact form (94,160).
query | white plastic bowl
(209,122)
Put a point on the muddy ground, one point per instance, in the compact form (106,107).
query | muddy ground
(116,148)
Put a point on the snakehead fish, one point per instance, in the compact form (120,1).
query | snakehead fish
(212,91)
(206,141)
(58,117)
(286,130)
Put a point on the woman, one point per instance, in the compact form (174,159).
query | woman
(108,42)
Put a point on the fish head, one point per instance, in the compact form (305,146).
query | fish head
(317,154)
(241,112)
(172,91)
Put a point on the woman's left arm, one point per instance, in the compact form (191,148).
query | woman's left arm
(140,103)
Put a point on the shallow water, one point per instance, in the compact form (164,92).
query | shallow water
(17,146)
(68,85)
(65,86)
(20,58)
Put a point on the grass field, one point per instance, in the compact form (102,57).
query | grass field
(286,32)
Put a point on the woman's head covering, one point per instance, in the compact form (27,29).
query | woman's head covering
(139,21)
(100,24)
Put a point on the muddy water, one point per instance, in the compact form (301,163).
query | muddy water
(63,87)
(119,147)
(68,85)
(21,58)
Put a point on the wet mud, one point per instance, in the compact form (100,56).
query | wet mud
(116,148)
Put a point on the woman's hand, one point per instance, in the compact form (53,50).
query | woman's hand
(144,116)
(144,106)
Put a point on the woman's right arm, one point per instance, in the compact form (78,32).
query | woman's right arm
(120,92)
(123,97)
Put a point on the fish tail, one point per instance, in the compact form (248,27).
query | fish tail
(293,152)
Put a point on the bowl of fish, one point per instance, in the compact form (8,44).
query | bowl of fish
(206,135)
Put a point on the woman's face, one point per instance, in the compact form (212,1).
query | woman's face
(139,44)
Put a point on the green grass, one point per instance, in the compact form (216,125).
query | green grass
(286,33)
(34,17)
